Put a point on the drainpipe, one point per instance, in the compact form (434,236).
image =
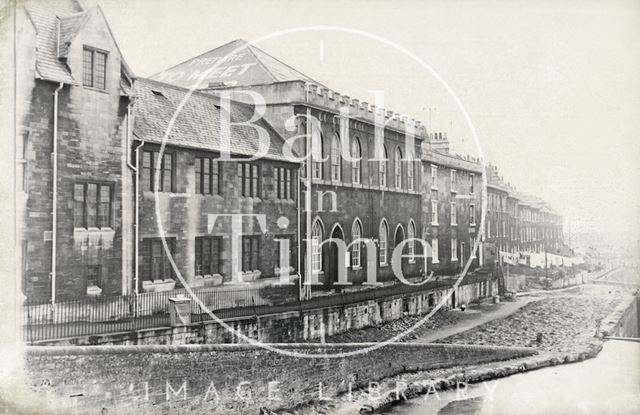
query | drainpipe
(136,202)
(54,239)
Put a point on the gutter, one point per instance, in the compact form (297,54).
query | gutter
(55,197)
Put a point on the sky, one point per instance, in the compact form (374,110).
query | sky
(551,88)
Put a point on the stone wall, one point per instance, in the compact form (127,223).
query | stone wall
(226,378)
(298,326)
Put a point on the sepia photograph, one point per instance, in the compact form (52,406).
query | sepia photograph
(331,207)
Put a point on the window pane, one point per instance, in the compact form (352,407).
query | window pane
(206,176)
(78,208)
(104,215)
(167,173)
(87,67)
(215,179)
(198,256)
(147,170)
(198,170)
(254,184)
(100,70)
(288,186)
(92,199)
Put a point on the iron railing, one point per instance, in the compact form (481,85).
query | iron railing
(115,314)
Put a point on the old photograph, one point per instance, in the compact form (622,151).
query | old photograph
(320,207)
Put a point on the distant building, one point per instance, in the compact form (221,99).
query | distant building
(452,206)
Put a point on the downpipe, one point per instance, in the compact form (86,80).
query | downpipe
(54,226)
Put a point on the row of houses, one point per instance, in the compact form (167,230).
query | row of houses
(124,187)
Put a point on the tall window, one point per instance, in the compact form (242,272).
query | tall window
(155,262)
(249,176)
(316,247)
(94,64)
(454,214)
(382,168)
(383,232)
(336,159)
(92,205)
(434,212)
(471,184)
(166,174)
(412,244)
(356,154)
(434,251)
(207,256)
(398,168)
(207,176)
(250,252)
(410,171)
(284,185)
(356,233)
(317,154)
(452,179)
(472,214)
(434,176)
(454,249)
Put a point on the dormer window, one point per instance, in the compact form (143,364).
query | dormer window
(94,65)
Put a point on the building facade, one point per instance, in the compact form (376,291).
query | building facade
(125,187)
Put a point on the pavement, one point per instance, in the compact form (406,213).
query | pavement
(474,316)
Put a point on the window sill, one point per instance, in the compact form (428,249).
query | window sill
(412,261)
(90,88)
(435,262)
(358,268)
(435,224)
(384,265)
(434,188)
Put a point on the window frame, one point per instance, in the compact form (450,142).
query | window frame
(434,212)
(454,248)
(356,249)
(94,51)
(356,164)
(435,258)
(250,173)
(398,168)
(199,251)
(335,159)
(98,203)
(383,243)
(149,173)
(147,263)
(283,177)
(454,214)
(200,175)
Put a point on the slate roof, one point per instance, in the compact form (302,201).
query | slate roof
(56,23)
(253,67)
(198,123)
(44,14)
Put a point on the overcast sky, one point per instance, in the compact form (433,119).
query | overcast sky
(553,88)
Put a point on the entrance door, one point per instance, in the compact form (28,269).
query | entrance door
(332,260)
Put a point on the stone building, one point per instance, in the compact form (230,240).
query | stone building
(99,184)
(195,181)
(355,193)
(451,206)
(73,92)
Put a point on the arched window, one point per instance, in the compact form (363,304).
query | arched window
(336,159)
(410,171)
(317,154)
(317,232)
(356,233)
(411,233)
(382,168)
(356,154)
(383,236)
(398,168)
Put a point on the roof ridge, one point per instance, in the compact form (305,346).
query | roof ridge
(197,56)
(251,45)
